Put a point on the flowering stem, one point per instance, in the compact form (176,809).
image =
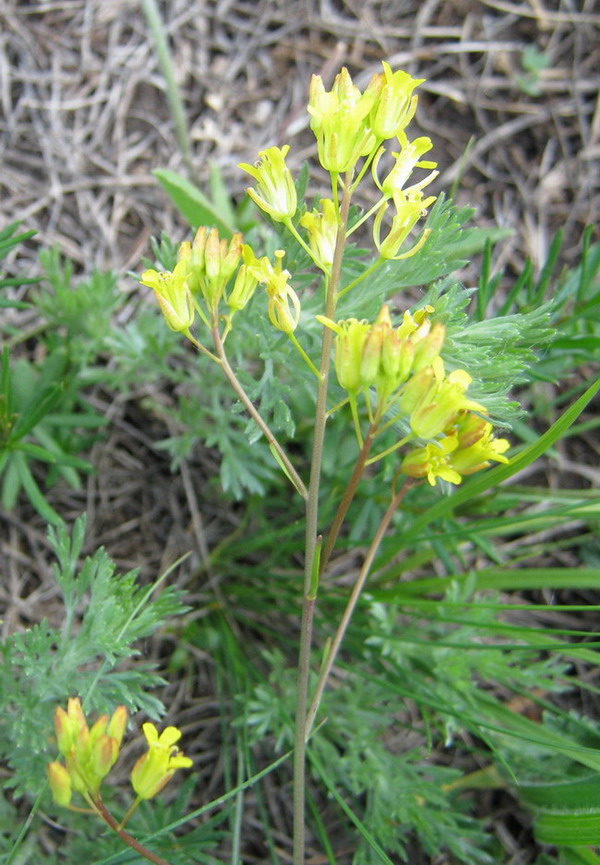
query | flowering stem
(256,416)
(312,518)
(366,215)
(304,355)
(350,606)
(200,347)
(356,419)
(296,234)
(391,449)
(360,278)
(108,818)
(349,493)
(133,807)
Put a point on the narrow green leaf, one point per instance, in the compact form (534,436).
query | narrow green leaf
(362,828)
(583,793)
(34,494)
(221,195)
(572,829)
(191,202)
(37,452)
(36,409)
(502,579)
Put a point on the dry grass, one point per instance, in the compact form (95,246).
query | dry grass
(85,118)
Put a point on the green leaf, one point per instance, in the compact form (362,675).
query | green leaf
(34,494)
(192,203)
(36,409)
(568,829)
(37,452)
(573,795)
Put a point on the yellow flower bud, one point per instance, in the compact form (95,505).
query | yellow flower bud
(118,724)
(397,359)
(349,344)
(243,289)
(470,428)
(417,389)
(477,456)
(428,348)
(371,355)
(60,784)
(89,754)
(69,725)
(102,757)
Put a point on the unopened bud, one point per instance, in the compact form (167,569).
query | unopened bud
(60,784)
(429,348)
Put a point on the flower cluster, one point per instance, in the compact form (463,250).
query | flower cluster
(202,279)
(350,125)
(404,367)
(90,753)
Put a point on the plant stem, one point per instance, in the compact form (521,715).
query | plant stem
(350,606)
(349,493)
(312,518)
(108,818)
(174,98)
(256,416)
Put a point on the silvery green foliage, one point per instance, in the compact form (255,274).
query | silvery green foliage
(88,654)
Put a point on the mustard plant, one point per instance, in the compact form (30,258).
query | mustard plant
(409,405)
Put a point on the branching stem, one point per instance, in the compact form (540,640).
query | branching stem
(351,605)
(256,416)
(349,494)
(108,818)
(312,519)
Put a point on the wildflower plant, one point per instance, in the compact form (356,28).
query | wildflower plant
(421,390)
(390,369)
(89,754)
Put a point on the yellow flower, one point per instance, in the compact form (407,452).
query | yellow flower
(276,193)
(283,306)
(156,768)
(89,754)
(322,227)
(477,456)
(395,105)
(407,159)
(173,295)
(441,404)
(339,120)
(410,207)
(432,461)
